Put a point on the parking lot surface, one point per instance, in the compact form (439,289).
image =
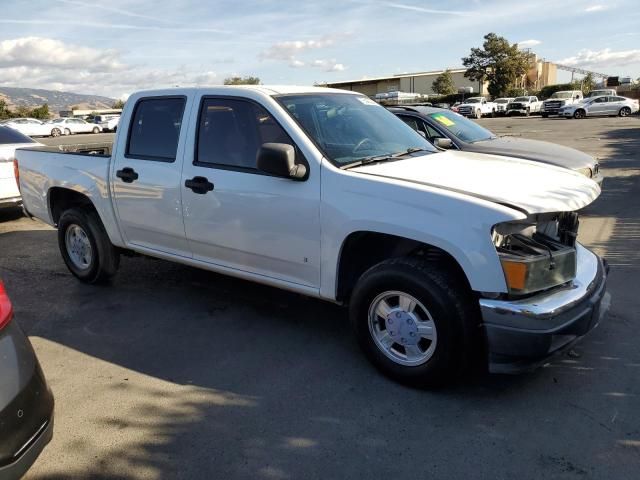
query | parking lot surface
(173,372)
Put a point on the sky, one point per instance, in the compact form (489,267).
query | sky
(115,47)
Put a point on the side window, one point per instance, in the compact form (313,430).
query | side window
(412,122)
(618,99)
(600,100)
(432,133)
(155,129)
(230,133)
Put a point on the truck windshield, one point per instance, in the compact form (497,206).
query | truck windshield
(502,100)
(349,128)
(562,95)
(462,128)
(473,100)
(521,99)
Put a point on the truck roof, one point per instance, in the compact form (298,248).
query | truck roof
(265,89)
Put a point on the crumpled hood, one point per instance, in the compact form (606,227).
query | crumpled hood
(529,186)
(537,150)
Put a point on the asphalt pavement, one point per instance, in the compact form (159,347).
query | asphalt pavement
(173,372)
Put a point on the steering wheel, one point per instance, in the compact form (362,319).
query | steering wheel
(361,143)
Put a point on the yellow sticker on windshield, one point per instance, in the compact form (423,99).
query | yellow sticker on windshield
(444,120)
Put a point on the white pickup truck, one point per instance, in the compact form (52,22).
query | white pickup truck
(552,105)
(524,106)
(445,258)
(477,107)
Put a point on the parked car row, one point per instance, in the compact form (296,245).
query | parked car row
(568,104)
(33,127)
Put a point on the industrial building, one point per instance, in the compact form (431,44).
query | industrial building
(540,74)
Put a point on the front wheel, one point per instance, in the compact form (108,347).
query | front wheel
(478,114)
(55,132)
(545,115)
(414,321)
(579,114)
(85,246)
(67,131)
(96,130)
(624,112)
(527,113)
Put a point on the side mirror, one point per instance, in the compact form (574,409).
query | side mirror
(279,159)
(444,143)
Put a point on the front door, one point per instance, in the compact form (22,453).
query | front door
(598,106)
(146,176)
(237,217)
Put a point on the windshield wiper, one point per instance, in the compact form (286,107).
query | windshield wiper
(382,158)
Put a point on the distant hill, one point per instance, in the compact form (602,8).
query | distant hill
(35,97)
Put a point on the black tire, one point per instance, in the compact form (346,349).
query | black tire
(544,115)
(448,300)
(478,114)
(578,114)
(56,132)
(624,112)
(105,257)
(528,112)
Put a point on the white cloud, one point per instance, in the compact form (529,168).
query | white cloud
(40,52)
(328,65)
(413,8)
(595,8)
(290,52)
(605,58)
(529,43)
(51,64)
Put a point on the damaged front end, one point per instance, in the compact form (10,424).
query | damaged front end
(537,253)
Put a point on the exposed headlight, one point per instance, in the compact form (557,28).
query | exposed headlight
(537,254)
(587,172)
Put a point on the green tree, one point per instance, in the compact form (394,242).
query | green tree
(498,62)
(443,84)
(41,113)
(242,81)
(118,104)
(4,110)
(588,83)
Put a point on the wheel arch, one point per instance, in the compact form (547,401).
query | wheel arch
(363,249)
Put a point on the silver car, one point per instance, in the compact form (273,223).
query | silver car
(606,105)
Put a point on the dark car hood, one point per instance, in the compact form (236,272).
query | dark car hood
(533,150)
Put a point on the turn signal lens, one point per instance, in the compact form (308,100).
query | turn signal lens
(515,274)
(6,310)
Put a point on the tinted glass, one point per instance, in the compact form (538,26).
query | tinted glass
(600,100)
(618,99)
(9,135)
(155,128)
(349,127)
(231,132)
(521,99)
(461,127)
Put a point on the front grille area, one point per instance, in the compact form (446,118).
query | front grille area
(516,106)
(464,110)
(553,106)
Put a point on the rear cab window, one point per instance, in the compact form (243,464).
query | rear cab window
(11,136)
(155,129)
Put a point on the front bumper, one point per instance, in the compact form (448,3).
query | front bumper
(523,334)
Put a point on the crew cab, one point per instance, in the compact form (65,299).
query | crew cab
(524,106)
(501,104)
(477,107)
(444,258)
(558,100)
(603,92)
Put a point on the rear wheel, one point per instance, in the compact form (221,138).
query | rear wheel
(414,321)
(85,246)
(624,112)
(579,113)
(545,115)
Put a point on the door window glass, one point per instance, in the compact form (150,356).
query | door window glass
(231,132)
(155,129)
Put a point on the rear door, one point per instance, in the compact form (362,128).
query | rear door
(145,176)
(242,218)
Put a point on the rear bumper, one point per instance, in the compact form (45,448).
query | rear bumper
(523,334)
(10,202)
(19,467)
